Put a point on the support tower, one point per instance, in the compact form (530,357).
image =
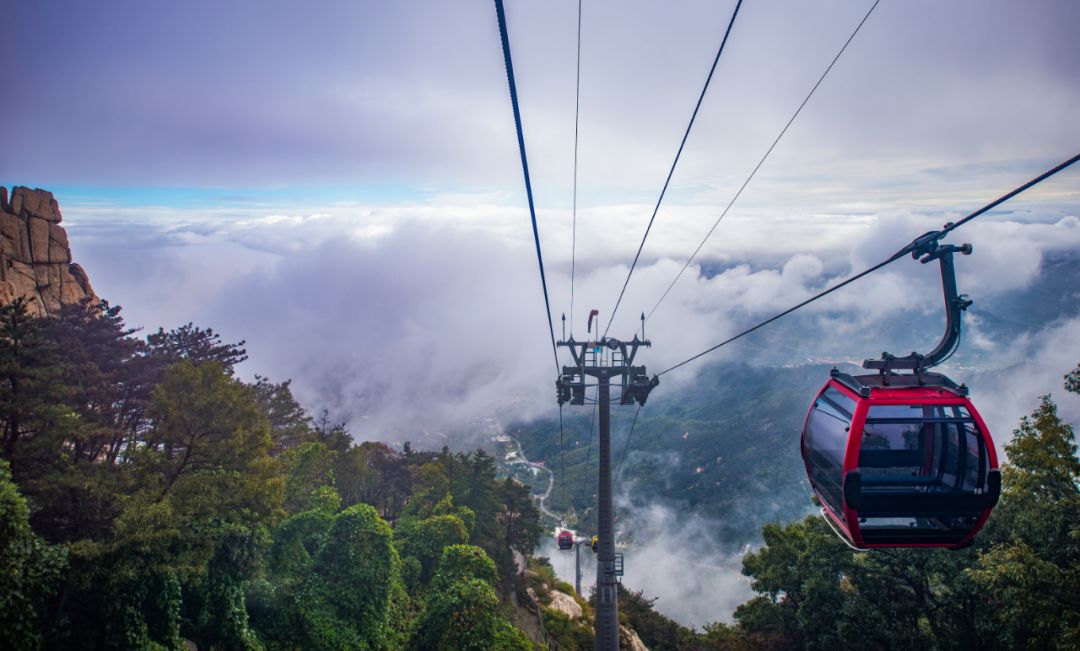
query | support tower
(606,360)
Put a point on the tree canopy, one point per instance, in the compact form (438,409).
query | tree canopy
(149,496)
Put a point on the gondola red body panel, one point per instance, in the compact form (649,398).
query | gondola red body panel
(897,462)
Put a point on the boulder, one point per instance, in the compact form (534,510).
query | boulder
(630,639)
(3,199)
(565,604)
(35,203)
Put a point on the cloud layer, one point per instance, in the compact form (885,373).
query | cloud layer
(428,315)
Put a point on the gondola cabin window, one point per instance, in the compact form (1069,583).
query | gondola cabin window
(921,449)
(825,444)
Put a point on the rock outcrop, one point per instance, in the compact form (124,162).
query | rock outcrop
(35,258)
(565,604)
(629,639)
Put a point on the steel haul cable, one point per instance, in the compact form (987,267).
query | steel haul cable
(626,445)
(762,161)
(573,237)
(505,38)
(671,171)
(896,256)
(577,114)
(501,14)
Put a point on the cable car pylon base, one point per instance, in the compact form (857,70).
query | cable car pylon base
(636,385)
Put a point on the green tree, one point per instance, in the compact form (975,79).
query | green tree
(290,426)
(109,375)
(518,518)
(333,435)
(518,527)
(425,539)
(196,345)
(361,576)
(216,606)
(31,388)
(373,473)
(460,562)
(467,615)
(205,492)
(31,571)
(797,571)
(208,449)
(474,486)
(1033,574)
(1072,380)
(309,476)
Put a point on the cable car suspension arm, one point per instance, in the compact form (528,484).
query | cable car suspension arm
(928,247)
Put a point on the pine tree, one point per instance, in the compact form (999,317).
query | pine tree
(1033,575)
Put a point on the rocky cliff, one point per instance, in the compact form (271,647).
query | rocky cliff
(35,259)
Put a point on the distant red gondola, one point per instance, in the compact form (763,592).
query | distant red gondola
(904,459)
(565,540)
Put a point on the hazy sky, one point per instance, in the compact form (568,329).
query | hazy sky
(299,176)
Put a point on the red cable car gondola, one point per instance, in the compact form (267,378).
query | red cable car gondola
(903,460)
(565,540)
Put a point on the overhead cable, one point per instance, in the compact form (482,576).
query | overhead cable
(693,116)
(896,256)
(501,14)
(762,161)
(577,113)
(562,462)
(626,445)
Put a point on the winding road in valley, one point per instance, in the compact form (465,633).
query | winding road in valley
(541,499)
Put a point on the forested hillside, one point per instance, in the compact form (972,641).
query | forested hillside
(1017,587)
(718,449)
(148,496)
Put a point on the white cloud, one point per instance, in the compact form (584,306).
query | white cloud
(1044,357)
(374,309)
(672,558)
